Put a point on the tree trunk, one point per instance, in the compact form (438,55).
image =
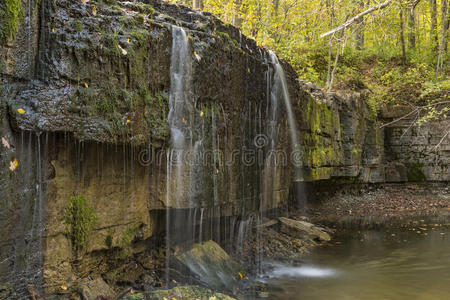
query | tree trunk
(197,4)
(433,27)
(442,48)
(412,25)
(412,28)
(360,30)
(236,21)
(402,36)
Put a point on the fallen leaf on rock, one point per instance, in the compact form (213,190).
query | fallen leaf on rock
(124,52)
(197,56)
(13,165)
(5,143)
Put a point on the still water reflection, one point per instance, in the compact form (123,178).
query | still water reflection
(410,261)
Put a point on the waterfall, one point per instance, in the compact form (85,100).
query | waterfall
(180,119)
(280,86)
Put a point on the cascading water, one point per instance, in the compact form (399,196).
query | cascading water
(178,119)
(280,86)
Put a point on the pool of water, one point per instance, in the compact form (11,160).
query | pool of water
(409,261)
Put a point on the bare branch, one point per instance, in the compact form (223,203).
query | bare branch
(357,17)
(417,109)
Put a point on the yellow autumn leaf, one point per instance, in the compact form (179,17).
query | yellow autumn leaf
(201,113)
(53,29)
(64,287)
(128,121)
(86,85)
(13,165)
(128,41)
(197,56)
(124,52)
(94,10)
(240,275)
(20,111)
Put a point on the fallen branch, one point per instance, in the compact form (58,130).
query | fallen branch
(357,17)
(414,111)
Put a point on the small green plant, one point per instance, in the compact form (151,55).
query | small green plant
(77,25)
(11,13)
(108,241)
(80,220)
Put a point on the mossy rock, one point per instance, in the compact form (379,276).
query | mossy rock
(212,265)
(180,293)
(414,172)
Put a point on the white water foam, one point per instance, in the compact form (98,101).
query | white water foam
(303,271)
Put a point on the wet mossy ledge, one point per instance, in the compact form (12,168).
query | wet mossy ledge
(105,75)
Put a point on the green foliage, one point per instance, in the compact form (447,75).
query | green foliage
(293,28)
(77,25)
(126,240)
(80,220)
(11,13)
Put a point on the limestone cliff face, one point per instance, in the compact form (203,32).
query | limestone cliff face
(93,81)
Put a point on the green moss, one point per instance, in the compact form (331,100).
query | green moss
(11,13)
(140,19)
(110,2)
(146,9)
(108,241)
(79,220)
(77,25)
(156,109)
(227,39)
(322,124)
(414,172)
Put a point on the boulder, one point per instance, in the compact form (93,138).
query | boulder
(180,293)
(302,228)
(211,265)
(91,289)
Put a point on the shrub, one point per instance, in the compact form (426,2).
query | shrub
(80,220)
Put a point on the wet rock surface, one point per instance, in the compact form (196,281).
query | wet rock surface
(295,228)
(92,289)
(212,265)
(181,292)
